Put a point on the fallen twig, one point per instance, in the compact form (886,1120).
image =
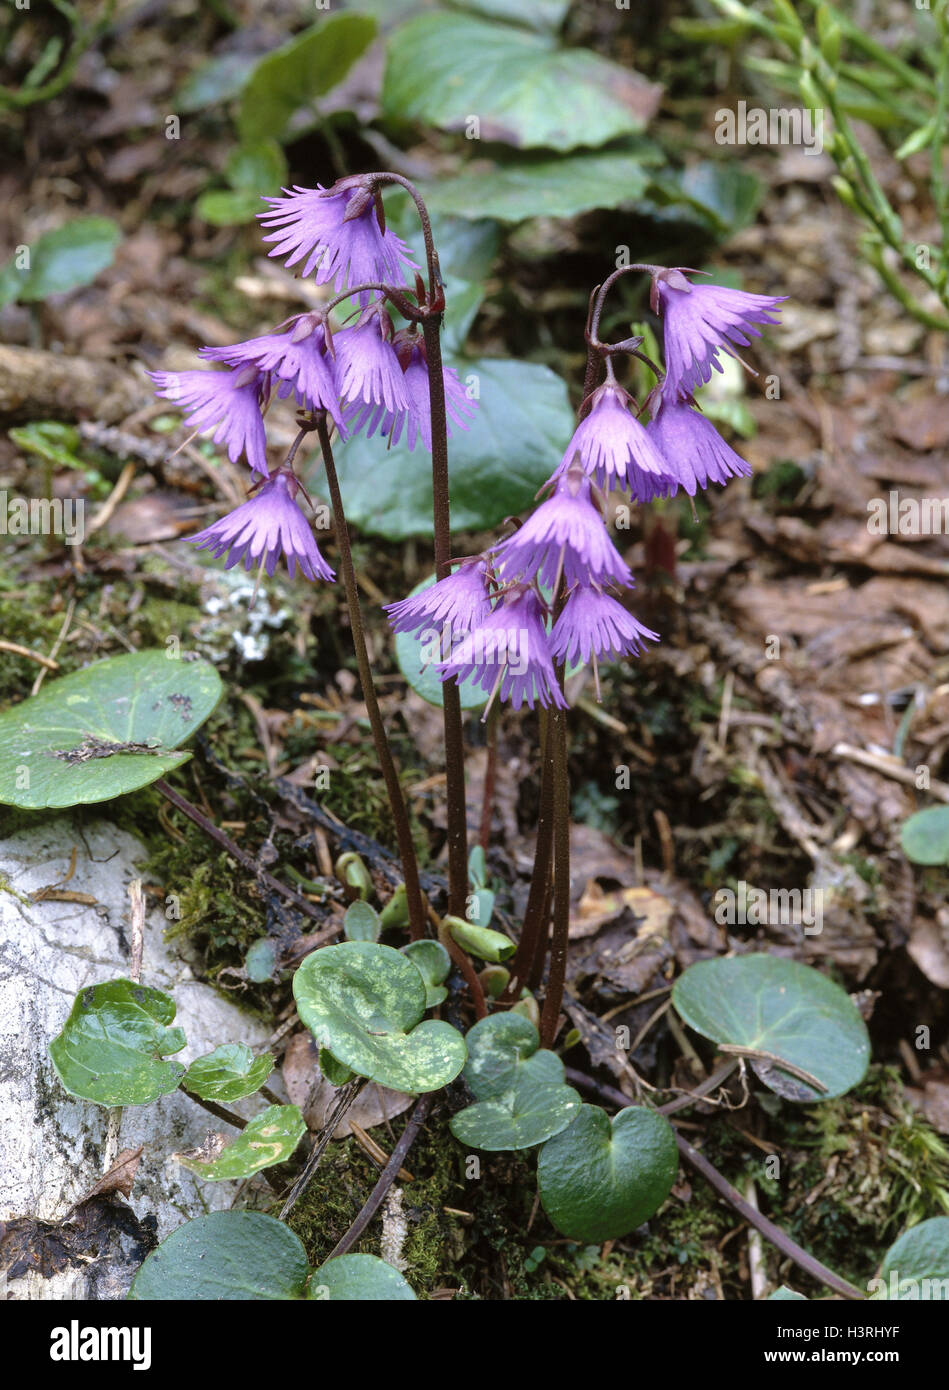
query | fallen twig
(245,860)
(387,1177)
(778,1238)
(346,1098)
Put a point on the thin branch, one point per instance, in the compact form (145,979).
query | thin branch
(387,1177)
(346,1098)
(245,860)
(778,1238)
(400,815)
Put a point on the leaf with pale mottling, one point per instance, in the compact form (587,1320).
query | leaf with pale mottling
(269,1138)
(365,1003)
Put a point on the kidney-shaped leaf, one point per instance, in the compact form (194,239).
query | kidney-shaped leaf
(106,730)
(226,1255)
(361,922)
(268,1138)
(916,1267)
(114,1043)
(228,1073)
(770,1005)
(359,1278)
(520,1095)
(599,1179)
(517,435)
(364,1002)
(523,87)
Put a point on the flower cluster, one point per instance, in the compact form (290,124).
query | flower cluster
(546,596)
(365,376)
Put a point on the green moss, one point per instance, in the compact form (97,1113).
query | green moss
(346,1176)
(24,611)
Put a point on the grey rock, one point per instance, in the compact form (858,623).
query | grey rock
(52,1146)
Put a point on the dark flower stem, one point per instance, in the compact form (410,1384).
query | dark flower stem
(431,255)
(429,315)
(441,516)
(451,697)
(535,916)
(557,974)
(465,965)
(403,829)
(596,350)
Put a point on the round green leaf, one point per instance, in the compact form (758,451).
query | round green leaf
(268,1138)
(261,960)
(916,1267)
(422,676)
(522,422)
(364,1002)
(768,1004)
(600,1180)
(106,730)
(114,1042)
(525,88)
(519,1090)
(359,1278)
(228,1073)
(361,922)
(925,836)
(433,964)
(226,1255)
(785,1295)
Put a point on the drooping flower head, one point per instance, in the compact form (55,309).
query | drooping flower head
(508,654)
(367,366)
(229,401)
(299,359)
(594,626)
(269,524)
(416,418)
(693,444)
(566,536)
(460,602)
(700,320)
(340,234)
(615,450)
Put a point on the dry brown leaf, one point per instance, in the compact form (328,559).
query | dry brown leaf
(928,946)
(308,1088)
